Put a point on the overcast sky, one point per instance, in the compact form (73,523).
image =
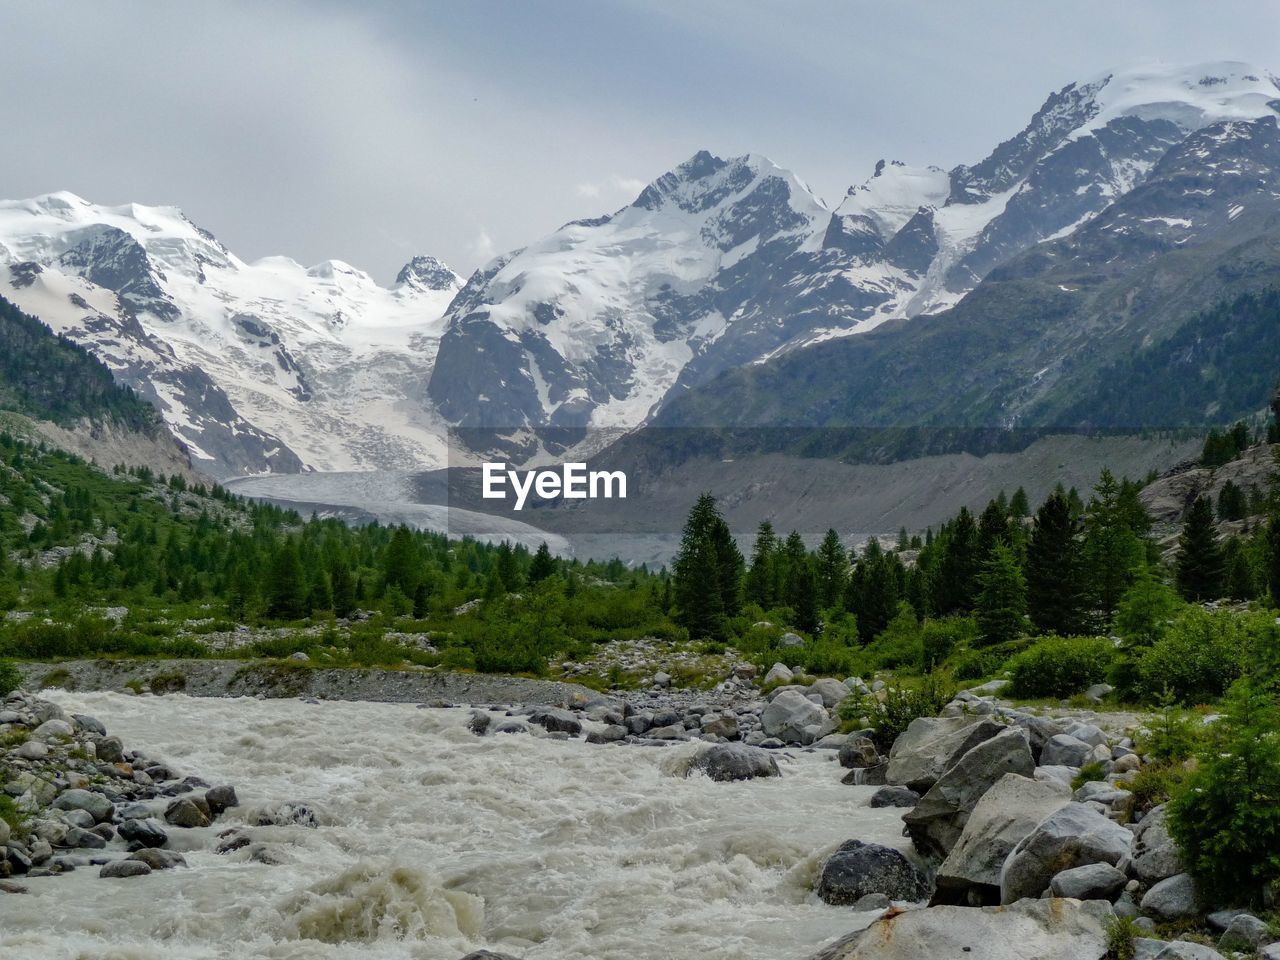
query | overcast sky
(371,132)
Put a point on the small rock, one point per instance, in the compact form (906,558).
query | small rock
(220,799)
(1246,932)
(144,832)
(1172,899)
(1093,881)
(159,859)
(188,812)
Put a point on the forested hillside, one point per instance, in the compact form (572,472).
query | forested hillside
(48,377)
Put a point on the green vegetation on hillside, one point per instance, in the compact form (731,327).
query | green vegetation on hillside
(48,377)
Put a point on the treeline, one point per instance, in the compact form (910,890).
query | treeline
(46,376)
(73,538)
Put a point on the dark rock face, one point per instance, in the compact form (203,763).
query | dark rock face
(857,869)
(427,272)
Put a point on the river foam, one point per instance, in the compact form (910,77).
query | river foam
(433,842)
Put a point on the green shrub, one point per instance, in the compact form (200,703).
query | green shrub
(938,638)
(457,658)
(888,718)
(897,646)
(10,679)
(1225,819)
(1199,656)
(1122,935)
(1060,666)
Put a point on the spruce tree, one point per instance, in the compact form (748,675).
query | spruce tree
(708,572)
(956,583)
(1232,502)
(993,529)
(832,569)
(1112,551)
(344,589)
(1002,597)
(286,584)
(1200,561)
(1053,569)
(1273,559)
(543,564)
(421,599)
(1019,506)
(762,579)
(400,563)
(806,604)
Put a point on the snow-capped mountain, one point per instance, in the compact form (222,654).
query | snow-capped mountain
(266,366)
(723,263)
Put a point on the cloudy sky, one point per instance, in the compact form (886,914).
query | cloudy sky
(374,131)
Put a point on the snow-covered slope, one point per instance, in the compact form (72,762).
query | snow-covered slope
(256,366)
(727,262)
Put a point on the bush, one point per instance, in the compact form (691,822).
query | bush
(939,637)
(888,718)
(1199,656)
(457,658)
(10,679)
(1226,820)
(1060,666)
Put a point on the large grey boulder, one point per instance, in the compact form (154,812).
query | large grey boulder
(1065,750)
(1030,930)
(858,752)
(1172,899)
(736,761)
(930,745)
(857,869)
(936,822)
(788,715)
(1007,813)
(1073,836)
(1093,881)
(831,691)
(1155,855)
(1245,933)
(778,673)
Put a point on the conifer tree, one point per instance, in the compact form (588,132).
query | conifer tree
(708,572)
(400,564)
(421,599)
(1200,561)
(1019,506)
(543,564)
(1053,569)
(806,603)
(286,584)
(762,579)
(1002,597)
(956,584)
(1232,502)
(1112,551)
(832,569)
(1273,559)
(344,589)
(993,529)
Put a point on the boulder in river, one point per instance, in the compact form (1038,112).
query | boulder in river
(736,761)
(1070,837)
(930,745)
(1006,814)
(789,714)
(937,821)
(857,869)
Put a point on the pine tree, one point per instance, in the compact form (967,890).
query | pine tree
(956,583)
(708,572)
(1002,598)
(832,569)
(286,584)
(1019,506)
(993,529)
(421,599)
(505,568)
(1200,562)
(1238,579)
(1232,502)
(1112,551)
(1053,569)
(806,603)
(1273,559)
(400,563)
(543,564)
(762,578)
(344,589)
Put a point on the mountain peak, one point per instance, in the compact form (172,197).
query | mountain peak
(428,273)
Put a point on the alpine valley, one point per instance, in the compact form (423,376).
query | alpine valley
(1108,238)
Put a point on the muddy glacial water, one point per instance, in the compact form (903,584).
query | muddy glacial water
(434,843)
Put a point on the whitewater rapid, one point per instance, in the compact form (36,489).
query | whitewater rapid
(435,842)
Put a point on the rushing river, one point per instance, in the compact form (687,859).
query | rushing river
(436,842)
